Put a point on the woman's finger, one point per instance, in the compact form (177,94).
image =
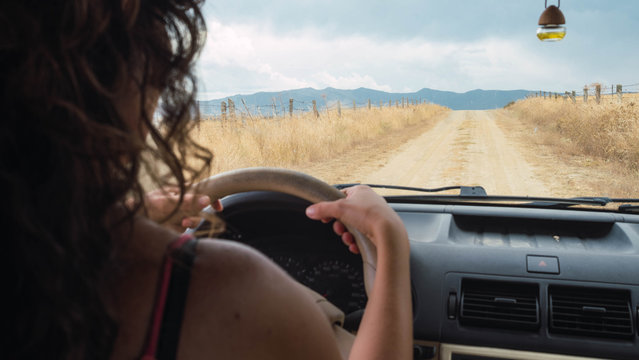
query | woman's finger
(190,221)
(347,239)
(193,203)
(324,210)
(354,249)
(339,228)
(204,201)
(217,205)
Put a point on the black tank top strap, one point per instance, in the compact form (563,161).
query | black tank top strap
(164,331)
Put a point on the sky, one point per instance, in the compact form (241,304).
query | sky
(407,45)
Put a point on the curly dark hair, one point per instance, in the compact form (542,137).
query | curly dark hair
(68,155)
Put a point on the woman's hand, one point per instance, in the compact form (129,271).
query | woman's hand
(366,211)
(160,203)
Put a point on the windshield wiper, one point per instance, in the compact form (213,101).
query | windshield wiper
(629,208)
(478,194)
(601,201)
(561,203)
(545,202)
(463,190)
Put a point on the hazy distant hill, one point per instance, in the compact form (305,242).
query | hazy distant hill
(263,101)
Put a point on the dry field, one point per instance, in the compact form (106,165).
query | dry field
(603,138)
(302,141)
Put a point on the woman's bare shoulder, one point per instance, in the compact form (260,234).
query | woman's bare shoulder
(241,305)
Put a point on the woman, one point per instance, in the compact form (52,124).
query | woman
(81,80)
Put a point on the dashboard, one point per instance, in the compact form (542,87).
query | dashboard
(488,282)
(529,279)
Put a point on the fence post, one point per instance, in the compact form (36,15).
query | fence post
(274,108)
(390,103)
(543,93)
(585,94)
(619,93)
(574,97)
(315,109)
(369,104)
(380,104)
(231,109)
(223,109)
(598,93)
(290,107)
(339,109)
(354,105)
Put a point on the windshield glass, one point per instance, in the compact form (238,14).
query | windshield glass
(427,93)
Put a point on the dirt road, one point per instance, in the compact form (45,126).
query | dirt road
(484,147)
(466,148)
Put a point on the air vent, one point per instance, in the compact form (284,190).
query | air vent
(591,312)
(500,304)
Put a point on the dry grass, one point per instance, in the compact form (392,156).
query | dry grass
(302,139)
(607,134)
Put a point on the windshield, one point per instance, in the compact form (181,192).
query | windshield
(426,94)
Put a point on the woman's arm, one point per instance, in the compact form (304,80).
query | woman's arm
(242,306)
(386,329)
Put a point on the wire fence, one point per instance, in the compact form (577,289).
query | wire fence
(593,93)
(280,107)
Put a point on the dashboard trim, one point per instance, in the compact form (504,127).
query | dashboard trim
(448,350)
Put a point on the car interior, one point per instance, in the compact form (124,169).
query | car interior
(533,280)
(492,277)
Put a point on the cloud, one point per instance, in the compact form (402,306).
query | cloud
(241,58)
(302,59)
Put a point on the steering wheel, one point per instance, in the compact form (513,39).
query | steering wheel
(292,183)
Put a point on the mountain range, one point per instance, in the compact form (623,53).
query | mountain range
(268,102)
